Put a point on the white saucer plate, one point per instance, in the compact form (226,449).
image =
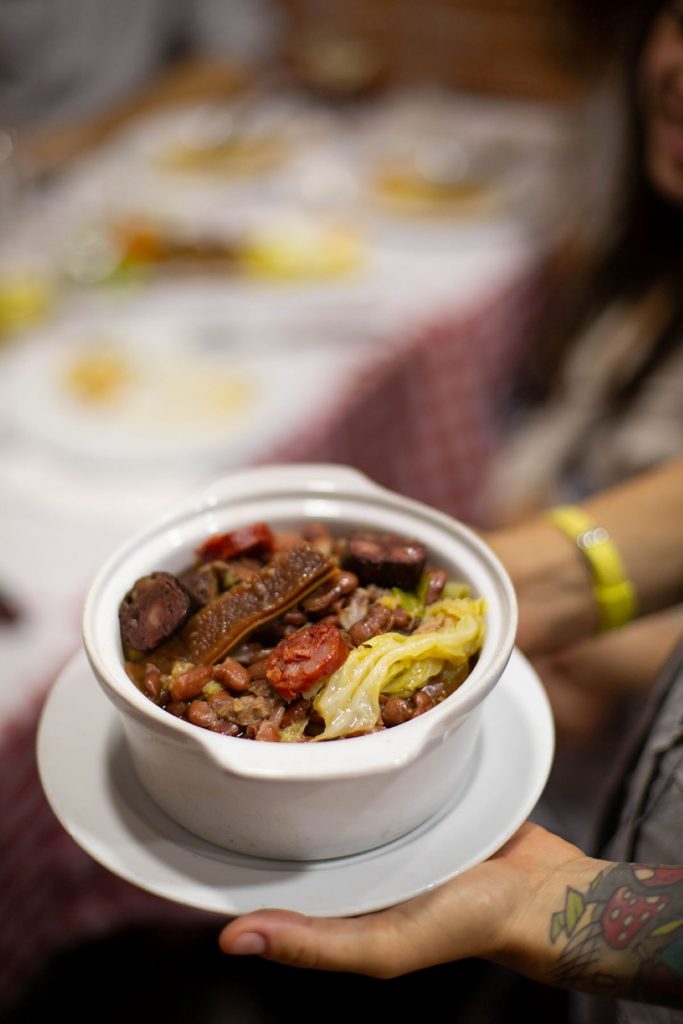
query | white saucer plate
(92,787)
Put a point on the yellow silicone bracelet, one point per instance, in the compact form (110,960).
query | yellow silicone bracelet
(614,592)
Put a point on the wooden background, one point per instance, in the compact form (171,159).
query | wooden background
(522,48)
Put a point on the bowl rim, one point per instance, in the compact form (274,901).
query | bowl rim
(375,752)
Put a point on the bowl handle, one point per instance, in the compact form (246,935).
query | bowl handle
(318,478)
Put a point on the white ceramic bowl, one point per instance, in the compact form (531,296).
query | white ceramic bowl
(303,801)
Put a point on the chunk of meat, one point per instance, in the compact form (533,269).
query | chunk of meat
(385,559)
(220,625)
(202,583)
(152,610)
(251,709)
(256,539)
(302,659)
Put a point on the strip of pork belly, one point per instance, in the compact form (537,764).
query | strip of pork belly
(222,623)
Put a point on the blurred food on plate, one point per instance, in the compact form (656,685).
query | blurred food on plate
(25,297)
(99,375)
(303,248)
(237,154)
(143,243)
(433,173)
(155,395)
(405,190)
(280,246)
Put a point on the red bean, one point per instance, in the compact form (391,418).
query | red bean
(257,669)
(235,676)
(267,732)
(152,681)
(437,581)
(400,619)
(227,728)
(422,702)
(200,713)
(436,690)
(294,617)
(248,652)
(396,710)
(191,683)
(376,621)
(322,599)
(222,703)
(177,708)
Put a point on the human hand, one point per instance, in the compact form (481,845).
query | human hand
(485,912)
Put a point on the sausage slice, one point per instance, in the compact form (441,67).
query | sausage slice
(152,610)
(385,559)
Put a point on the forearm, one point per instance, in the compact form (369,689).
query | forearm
(620,662)
(604,928)
(644,518)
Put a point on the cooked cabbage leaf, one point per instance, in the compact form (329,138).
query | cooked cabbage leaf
(451,631)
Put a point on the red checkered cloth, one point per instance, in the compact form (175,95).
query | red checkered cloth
(423,421)
(52,895)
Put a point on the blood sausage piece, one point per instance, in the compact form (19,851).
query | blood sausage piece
(152,610)
(385,559)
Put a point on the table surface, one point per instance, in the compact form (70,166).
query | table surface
(398,369)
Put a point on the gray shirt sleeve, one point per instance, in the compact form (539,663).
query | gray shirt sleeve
(648,827)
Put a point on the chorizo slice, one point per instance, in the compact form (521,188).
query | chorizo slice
(256,539)
(302,659)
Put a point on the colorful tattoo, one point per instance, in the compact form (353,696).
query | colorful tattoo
(623,935)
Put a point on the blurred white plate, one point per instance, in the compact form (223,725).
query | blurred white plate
(117,824)
(166,397)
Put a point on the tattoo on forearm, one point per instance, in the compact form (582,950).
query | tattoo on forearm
(623,935)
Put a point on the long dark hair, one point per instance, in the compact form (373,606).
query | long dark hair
(645,246)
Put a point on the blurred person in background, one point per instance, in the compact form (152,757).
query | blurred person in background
(602,398)
(71,70)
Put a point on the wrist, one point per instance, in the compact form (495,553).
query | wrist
(534,938)
(613,591)
(553,585)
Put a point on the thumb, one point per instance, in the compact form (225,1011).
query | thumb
(425,931)
(368,945)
